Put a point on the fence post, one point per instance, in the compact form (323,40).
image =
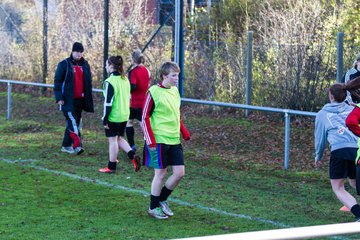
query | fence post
(9,102)
(339,57)
(248,70)
(287,141)
(45,45)
(106,36)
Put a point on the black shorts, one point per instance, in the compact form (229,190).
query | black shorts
(136,113)
(115,129)
(164,156)
(342,163)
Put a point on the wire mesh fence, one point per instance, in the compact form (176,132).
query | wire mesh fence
(290,76)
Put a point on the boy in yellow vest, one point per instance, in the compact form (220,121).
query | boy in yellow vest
(162,126)
(116,113)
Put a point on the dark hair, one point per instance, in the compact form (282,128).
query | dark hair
(338,91)
(353,86)
(138,57)
(77,47)
(117,62)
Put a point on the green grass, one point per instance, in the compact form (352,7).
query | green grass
(233,164)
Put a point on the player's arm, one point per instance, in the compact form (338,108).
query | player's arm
(352,121)
(148,109)
(109,97)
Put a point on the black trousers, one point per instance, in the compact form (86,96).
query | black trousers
(72,131)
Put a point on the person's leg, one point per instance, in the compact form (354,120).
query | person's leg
(130,132)
(113,152)
(113,148)
(176,160)
(135,159)
(352,183)
(174,179)
(67,141)
(178,172)
(124,145)
(76,134)
(111,134)
(157,182)
(156,186)
(77,114)
(345,197)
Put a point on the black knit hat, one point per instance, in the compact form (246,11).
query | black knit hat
(78,47)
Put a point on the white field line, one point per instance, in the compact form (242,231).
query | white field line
(144,193)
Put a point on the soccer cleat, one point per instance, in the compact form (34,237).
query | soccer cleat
(79,150)
(136,162)
(157,213)
(166,209)
(68,150)
(133,147)
(344,209)
(106,170)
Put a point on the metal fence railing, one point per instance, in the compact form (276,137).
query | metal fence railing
(286,112)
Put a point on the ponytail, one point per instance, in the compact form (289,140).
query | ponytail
(117,62)
(353,86)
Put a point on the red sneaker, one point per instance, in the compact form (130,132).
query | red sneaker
(106,170)
(136,162)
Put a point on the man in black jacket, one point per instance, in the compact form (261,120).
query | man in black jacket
(73,93)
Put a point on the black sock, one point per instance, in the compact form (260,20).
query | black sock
(154,202)
(164,194)
(130,135)
(112,165)
(356,210)
(131,154)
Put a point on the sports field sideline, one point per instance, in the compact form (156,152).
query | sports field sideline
(233,185)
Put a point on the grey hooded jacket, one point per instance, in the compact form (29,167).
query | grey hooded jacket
(330,126)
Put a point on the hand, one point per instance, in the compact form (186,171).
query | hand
(60,102)
(186,135)
(317,163)
(106,127)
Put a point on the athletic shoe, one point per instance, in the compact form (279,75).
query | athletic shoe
(357,220)
(136,162)
(68,150)
(106,170)
(79,150)
(157,213)
(344,209)
(166,209)
(133,147)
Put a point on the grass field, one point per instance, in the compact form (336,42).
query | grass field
(234,178)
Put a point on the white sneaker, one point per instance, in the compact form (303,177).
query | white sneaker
(79,150)
(68,150)
(166,209)
(157,213)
